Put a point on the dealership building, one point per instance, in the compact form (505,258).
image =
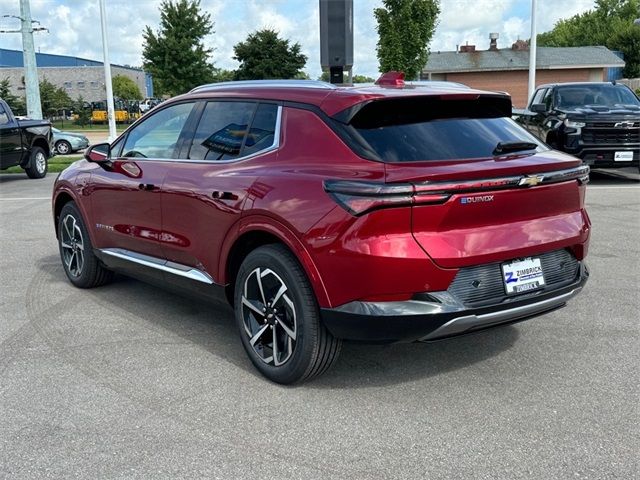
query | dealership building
(77,76)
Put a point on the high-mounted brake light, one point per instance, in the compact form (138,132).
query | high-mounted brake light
(391,79)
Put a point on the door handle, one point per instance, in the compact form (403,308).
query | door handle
(224,195)
(146,186)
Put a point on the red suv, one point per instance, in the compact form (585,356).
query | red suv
(397,212)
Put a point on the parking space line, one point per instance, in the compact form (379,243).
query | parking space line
(26,198)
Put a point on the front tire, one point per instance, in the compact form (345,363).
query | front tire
(38,163)
(82,267)
(278,318)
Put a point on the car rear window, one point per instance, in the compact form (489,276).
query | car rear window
(410,130)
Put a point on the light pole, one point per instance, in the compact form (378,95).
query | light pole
(34,107)
(532,52)
(107,74)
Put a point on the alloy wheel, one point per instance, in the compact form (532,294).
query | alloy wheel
(41,162)
(269,316)
(72,244)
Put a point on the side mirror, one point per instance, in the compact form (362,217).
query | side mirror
(539,108)
(98,153)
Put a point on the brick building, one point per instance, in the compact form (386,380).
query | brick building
(78,76)
(507,69)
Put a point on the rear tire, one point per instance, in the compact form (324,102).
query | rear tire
(275,305)
(63,147)
(82,267)
(38,163)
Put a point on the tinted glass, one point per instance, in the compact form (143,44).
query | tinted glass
(537,98)
(157,136)
(262,132)
(606,95)
(548,98)
(442,139)
(222,130)
(4,118)
(116,148)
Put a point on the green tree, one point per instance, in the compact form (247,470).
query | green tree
(325,77)
(17,104)
(405,28)
(53,98)
(610,24)
(82,111)
(175,55)
(363,79)
(264,55)
(222,75)
(126,88)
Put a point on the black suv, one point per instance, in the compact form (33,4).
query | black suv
(597,122)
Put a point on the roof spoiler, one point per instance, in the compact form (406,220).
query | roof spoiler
(419,108)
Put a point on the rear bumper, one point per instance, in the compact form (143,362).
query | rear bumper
(439,316)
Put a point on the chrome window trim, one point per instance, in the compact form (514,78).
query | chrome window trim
(160,264)
(274,146)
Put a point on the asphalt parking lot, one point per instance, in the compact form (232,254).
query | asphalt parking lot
(130,381)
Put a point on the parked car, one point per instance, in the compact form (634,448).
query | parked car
(382,214)
(68,142)
(597,122)
(24,142)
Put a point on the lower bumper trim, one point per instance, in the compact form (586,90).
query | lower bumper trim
(438,315)
(461,325)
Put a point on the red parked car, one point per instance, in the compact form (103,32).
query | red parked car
(397,212)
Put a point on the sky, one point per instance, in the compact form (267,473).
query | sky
(74,26)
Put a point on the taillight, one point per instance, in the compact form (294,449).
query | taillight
(360,197)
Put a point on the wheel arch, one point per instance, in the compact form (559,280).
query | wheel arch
(63,196)
(42,143)
(59,202)
(263,232)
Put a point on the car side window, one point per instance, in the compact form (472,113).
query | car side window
(4,118)
(263,129)
(548,98)
(157,136)
(537,97)
(116,148)
(222,130)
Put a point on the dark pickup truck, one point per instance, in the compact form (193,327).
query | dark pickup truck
(597,122)
(26,143)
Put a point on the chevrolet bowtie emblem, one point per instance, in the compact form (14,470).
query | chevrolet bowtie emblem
(624,125)
(530,180)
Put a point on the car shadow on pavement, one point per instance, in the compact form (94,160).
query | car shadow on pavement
(12,177)
(211,326)
(613,178)
(363,366)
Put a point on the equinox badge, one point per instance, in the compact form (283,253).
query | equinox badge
(483,198)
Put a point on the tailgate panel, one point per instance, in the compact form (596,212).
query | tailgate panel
(481,227)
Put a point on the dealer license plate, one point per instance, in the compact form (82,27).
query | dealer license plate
(623,157)
(522,276)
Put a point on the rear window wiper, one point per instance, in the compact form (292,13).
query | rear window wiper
(507,147)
